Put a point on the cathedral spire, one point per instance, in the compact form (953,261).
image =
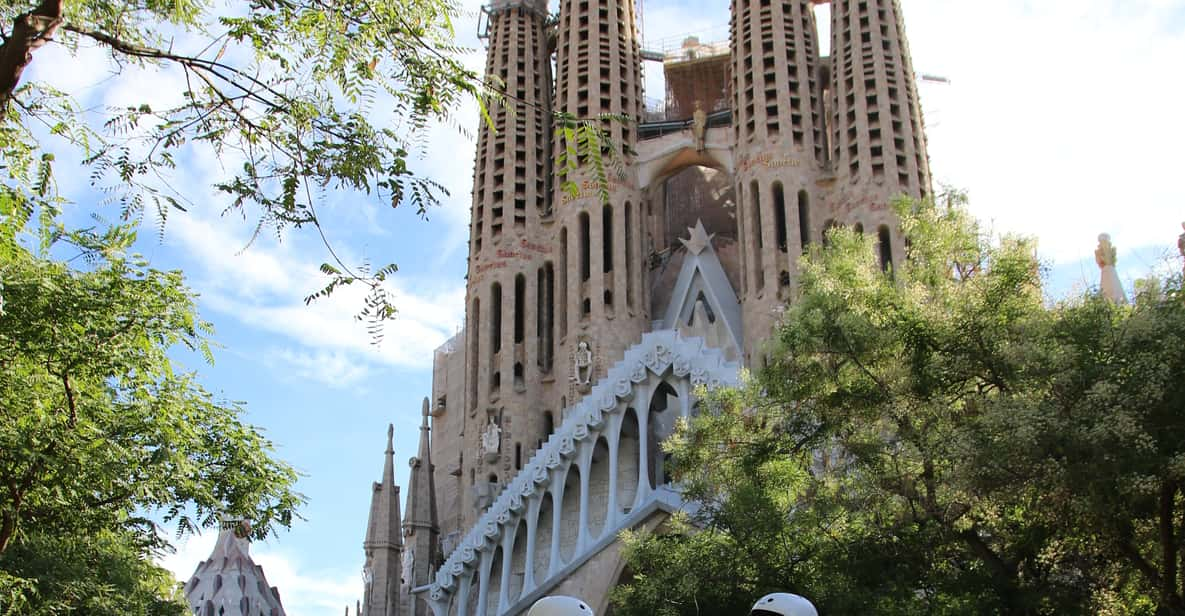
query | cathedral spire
(383,542)
(206,591)
(420,527)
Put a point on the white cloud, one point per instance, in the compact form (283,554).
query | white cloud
(1060,119)
(332,368)
(264,285)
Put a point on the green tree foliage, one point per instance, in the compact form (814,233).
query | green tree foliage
(103,574)
(296,98)
(938,440)
(100,428)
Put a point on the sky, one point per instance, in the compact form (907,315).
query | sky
(1061,120)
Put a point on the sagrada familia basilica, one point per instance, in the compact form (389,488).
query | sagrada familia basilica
(591,323)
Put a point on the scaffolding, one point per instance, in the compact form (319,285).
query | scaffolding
(693,71)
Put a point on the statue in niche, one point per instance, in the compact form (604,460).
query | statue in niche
(582,364)
(490,438)
(699,126)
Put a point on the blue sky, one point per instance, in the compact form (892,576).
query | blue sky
(1061,120)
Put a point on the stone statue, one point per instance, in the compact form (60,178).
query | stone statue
(582,361)
(1105,257)
(490,438)
(409,559)
(699,126)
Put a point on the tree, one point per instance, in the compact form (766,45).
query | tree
(100,428)
(296,97)
(938,440)
(105,573)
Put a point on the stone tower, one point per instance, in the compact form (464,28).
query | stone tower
(510,337)
(421,529)
(229,581)
(779,150)
(383,544)
(601,305)
(878,145)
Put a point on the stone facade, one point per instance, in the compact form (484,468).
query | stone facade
(701,234)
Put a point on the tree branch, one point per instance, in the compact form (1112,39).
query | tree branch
(30,32)
(70,399)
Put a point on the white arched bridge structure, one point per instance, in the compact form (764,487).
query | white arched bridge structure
(602,471)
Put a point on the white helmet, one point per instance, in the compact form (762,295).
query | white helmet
(783,604)
(560,606)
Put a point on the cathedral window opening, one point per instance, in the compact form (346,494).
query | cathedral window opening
(780,215)
(520,382)
(585,238)
(520,308)
(545,315)
(518,456)
(885,247)
(474,334)
(629,256)
(548,423)
(495,318)
(495,382)
(563,295)
(758,242)
(607,239)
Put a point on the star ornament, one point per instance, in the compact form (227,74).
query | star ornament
(699,238)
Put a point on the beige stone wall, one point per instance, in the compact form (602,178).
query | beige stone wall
(448,426)
(877,134)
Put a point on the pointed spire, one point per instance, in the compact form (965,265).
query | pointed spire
(231,556)
(389,463)
(420,526)
(383,542)
(1105,257)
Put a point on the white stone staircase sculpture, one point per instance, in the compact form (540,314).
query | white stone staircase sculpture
(662,357)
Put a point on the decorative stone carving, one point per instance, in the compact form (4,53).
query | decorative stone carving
(409,559)
(698,238)
(491,438)
(1105,257)
(582,364)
